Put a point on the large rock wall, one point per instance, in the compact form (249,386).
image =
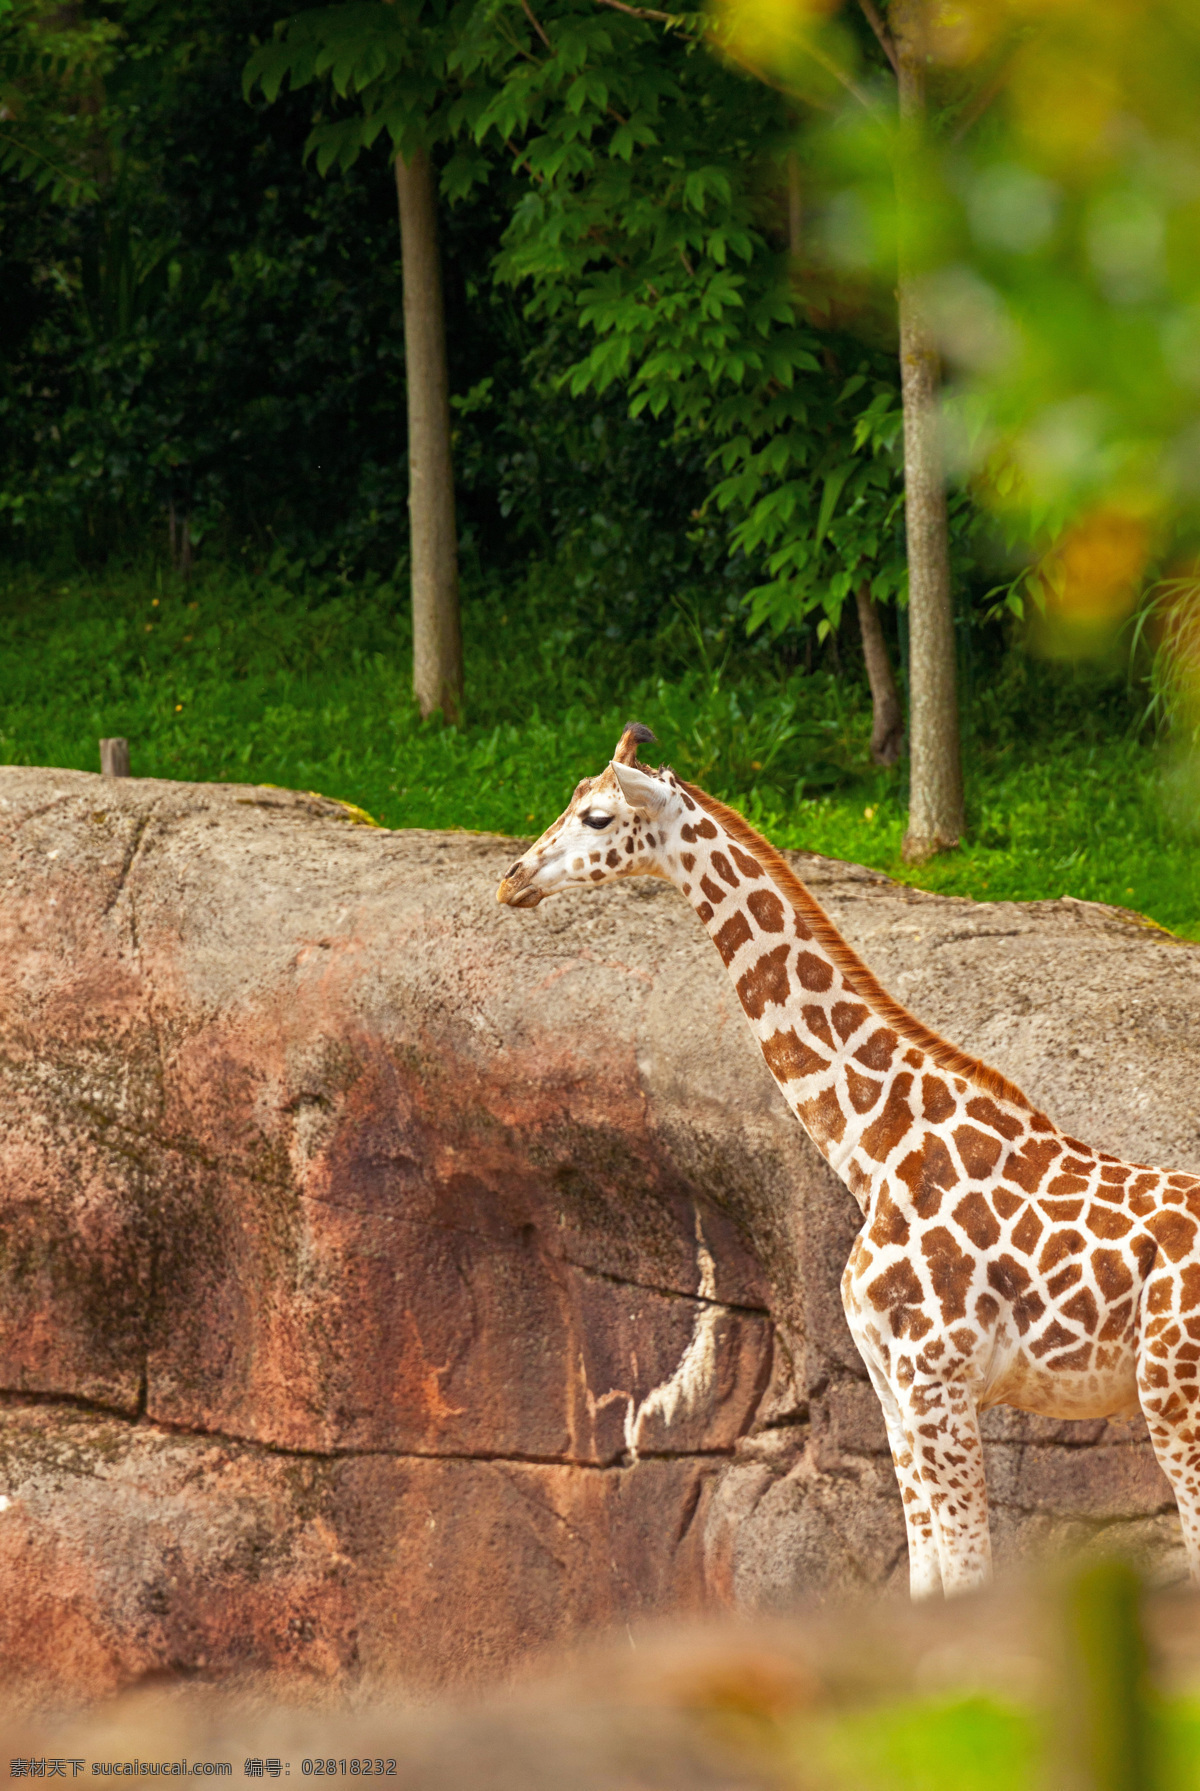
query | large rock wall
(392,1283)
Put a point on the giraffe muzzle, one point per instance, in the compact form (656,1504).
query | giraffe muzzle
(514,893)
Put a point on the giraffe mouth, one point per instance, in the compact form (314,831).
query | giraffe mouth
(512,895)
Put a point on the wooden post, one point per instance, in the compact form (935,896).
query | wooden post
(1106,1728)
(114,758)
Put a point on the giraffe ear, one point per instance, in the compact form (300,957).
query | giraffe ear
(641,791)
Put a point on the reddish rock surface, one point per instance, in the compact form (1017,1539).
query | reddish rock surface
(392,1284)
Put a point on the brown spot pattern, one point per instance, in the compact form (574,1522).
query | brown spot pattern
(725,870)
(1027,1166)
(978,1221)
(1082,1309)
(884,1134)
(897,1286)
(730,937)
(1115,1323)
(939,1102)
(1058,1246)
(814,972)
(788,1057)
(987,1310)
(988,1114)
(847,1017)
(864,1091)
(1107,1222)
(1145,1249)
(978,1151)
(824,1117)
(818,1024)
(950,1270)
(1026,1232)
(767,909)
(1075,1361)
(749,867)
(1055,1336)
(928,1173)
(890,1226)
(1013,1283)
(1062,1185)
(767,980)
(1175,1232)
(879,1049)
(1061,1209)
(1112,1274)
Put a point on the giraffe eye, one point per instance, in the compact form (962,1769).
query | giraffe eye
(595,820)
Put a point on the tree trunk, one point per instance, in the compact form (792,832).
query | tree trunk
(887,731)
(935,809)
(437,641)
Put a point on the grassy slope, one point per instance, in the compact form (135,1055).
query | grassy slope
(246,681)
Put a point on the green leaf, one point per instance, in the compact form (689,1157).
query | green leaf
(832,491)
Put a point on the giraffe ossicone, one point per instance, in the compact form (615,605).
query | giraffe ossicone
(1000,1262)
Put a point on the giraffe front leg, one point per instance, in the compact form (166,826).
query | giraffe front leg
(940,1421)
(924,1565)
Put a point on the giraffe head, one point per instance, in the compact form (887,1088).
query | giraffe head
(608,829)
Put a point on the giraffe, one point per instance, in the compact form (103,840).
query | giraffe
(1000,1261)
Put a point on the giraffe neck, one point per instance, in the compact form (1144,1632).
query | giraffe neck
(843,1052)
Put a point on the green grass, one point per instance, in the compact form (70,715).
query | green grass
(973,1743)
(281,681)
(961,1744)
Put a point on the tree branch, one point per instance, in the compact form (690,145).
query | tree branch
(529,14)
(640,12)
(982,101)
(839,74)
(521,161)
(875,21)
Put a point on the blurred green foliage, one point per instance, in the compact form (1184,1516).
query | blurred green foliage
(1052,213)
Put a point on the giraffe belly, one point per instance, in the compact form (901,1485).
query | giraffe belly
(1108,1390)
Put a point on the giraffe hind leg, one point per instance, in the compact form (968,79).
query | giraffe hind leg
(1170,1401)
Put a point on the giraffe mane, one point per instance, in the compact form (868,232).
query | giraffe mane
(861,980)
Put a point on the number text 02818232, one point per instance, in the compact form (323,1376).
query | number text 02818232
(365,1768)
